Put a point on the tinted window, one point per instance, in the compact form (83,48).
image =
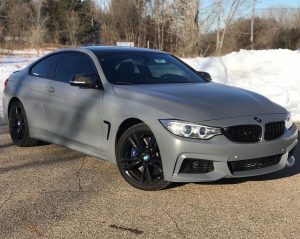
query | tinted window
(71,64)
(146,68)
(46,67)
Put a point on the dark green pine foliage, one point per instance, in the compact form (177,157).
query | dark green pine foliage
(57,11)
(89,31)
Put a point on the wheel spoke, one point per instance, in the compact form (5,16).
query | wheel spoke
(155,159)
(136,143)
(17,112)
(135,165)
(143,174)
(13,125)
(157,166)
(149,178)
(155,147)
(22,128)
(18,133)
(21,117)
(132,159)
(151,143)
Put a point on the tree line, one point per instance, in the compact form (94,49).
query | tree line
(182,27)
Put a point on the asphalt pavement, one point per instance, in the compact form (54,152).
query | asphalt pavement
(52,192)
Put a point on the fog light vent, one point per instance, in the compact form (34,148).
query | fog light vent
(196,166)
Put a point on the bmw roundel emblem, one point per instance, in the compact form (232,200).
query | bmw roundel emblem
(257,119)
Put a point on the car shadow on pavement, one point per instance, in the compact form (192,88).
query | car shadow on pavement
(11,144)
(6,145)
(65,157)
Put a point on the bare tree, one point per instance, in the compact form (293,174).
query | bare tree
(234,6)
(187,26)
(252,24)
(219,4)
(160,17)
(37,30)
(17,20)
(2,4)
(72,24)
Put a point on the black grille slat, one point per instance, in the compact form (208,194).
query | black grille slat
(243,133)
(274,130)
(253,133)
(251,164)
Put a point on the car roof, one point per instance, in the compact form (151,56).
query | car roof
(119,49)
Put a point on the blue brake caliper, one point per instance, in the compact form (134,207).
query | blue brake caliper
(133,153)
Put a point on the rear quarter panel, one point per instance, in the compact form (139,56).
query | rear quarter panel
(27,89)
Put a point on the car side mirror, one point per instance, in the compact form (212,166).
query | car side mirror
(86,80)
(205,75)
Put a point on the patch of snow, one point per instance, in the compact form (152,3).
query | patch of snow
(24,53)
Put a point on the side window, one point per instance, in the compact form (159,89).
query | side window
(46,67)
(71,64)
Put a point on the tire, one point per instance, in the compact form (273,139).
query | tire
(139,160)
(18,126)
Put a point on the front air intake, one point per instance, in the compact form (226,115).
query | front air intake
(251,164)
(196,166)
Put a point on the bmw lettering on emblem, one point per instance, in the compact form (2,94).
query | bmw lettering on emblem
(259,120)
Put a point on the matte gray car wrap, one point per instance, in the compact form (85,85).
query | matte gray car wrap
(88,120)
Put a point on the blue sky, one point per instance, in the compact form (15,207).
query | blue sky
(275,3)
(265,3)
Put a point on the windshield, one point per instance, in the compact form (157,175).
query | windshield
(146,68)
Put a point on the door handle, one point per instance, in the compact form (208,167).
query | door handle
(50,89)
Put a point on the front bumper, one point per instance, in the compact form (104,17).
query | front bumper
(220,150)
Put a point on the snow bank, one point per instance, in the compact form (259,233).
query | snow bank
(272,73)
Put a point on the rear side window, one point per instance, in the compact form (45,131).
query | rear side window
(46,67)
(71,64)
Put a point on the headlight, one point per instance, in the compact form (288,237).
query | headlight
(289,122)
(190,130)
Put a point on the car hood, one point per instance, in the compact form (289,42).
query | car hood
(199,101)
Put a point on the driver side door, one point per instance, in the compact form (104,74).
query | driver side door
(73,114)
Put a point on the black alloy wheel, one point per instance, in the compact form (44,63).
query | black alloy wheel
(18,126)
(139,160)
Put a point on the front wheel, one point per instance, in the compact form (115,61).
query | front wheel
(139,160)
(18,126)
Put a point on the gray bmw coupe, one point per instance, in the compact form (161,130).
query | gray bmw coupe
(148,112)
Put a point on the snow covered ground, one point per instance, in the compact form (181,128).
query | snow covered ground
(272,73)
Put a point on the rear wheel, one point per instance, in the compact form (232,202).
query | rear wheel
(139,160)
(18,126)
